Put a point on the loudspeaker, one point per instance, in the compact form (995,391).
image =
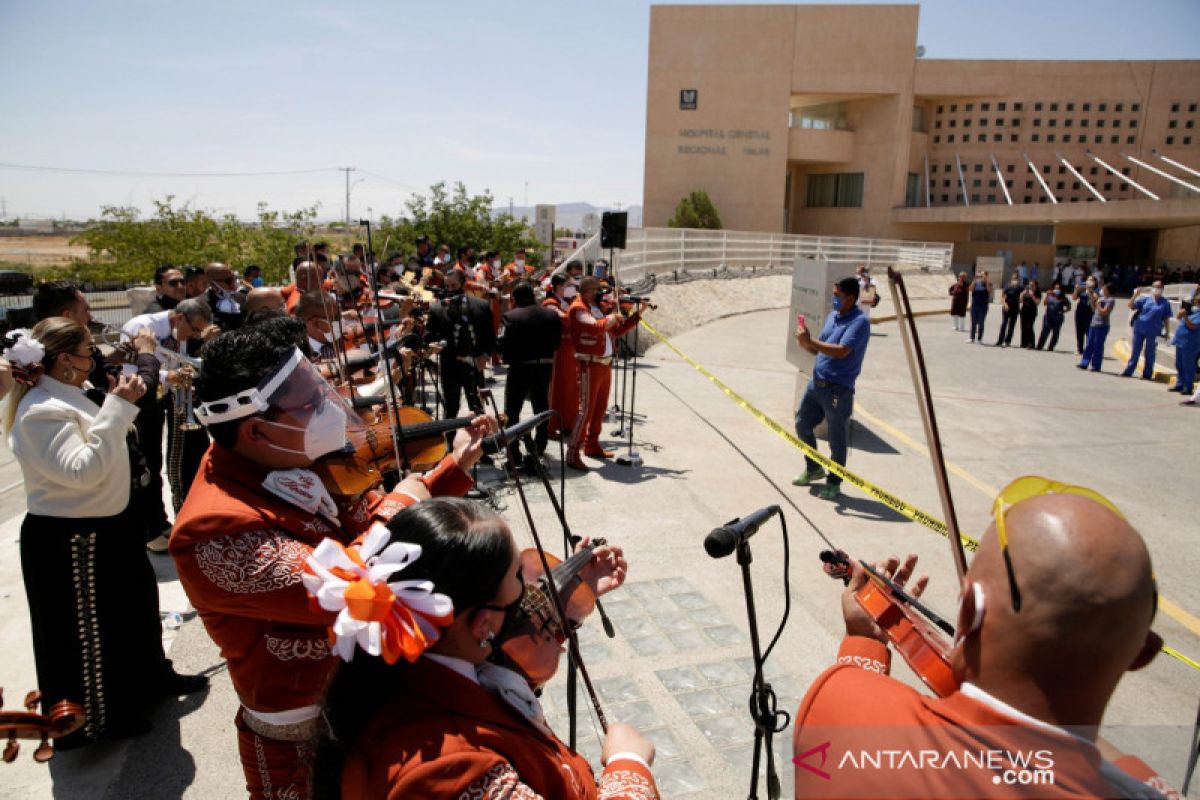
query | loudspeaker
(612,229)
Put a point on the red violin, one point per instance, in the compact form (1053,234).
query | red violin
(64,718)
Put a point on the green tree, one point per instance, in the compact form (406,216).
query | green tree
(458,219)
(696,210)
(122,246)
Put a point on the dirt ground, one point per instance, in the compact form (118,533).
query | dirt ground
(39,251)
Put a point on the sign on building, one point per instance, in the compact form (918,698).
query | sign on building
(688,99)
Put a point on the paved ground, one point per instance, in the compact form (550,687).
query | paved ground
(678,666)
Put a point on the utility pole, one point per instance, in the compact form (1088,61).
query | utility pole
(3,208)
(347,170)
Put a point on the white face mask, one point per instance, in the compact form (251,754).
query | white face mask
(1157,292)
(570,292)
(520,262)
(496,264)
(324,433)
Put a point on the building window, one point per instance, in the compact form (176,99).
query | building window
(946,168)
(992,183)
(1114,140)
(1046,169)
(937,139)
(983,123)
(1102,107)
(999,122)
(946,184)
(1054,106)
(1130,139)
(985,106)
(981,137)
(1066,138)
(991,198)
(912,191)
(1037,106)
(1067,123)
(1173,123)
(997,137)
(1034,138)
(1094,171)
(974,198)
(1028,184)
(1012,137)
(1187,140)
(1037,122)
(1124,170)
(976,183)
(1191,108)
(1087,106)
(1059,185)
(953,109)
(1018,106)
(1116,123)
(918,119)
(1053,123)
(1170,140)
(1009,168)
(1133,123)
(1097,140)
(937,124)
(950,139)
(1099,123)
(1124,187)
(835,190)
(1174,108)
(1001,106)
(1136,107)
(1119,107)
(1191,123)
(1083,123)
(953,123)
(1050,138)
(945,198)
(1108,187)
(970,107)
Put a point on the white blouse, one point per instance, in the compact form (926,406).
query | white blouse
(72,453)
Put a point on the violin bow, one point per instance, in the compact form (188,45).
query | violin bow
(573,651)
(397,427)
(920,379)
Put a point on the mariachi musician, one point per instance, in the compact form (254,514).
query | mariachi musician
(258,506)
(593,335)
(449,711)
(564,382)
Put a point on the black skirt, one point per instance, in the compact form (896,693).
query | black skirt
(93,608)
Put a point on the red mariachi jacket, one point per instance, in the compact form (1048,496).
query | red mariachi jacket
(445,736)
(587,332)
(240,552)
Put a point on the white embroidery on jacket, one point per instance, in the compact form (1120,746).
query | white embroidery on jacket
(253,562)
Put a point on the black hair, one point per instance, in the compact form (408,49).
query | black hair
(849,286)
(559,279)
(466,551)
(252,268)
(193,272)
(321,246)
(462,251)
(54,297)
(522,294)
(161,270)
(237,360)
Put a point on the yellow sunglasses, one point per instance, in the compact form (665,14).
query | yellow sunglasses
(1023,489)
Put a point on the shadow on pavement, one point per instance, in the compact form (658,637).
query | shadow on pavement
(865,439)
(849,505)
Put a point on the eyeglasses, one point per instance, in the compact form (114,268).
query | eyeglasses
(1026,488)
(175,282)
(514,603)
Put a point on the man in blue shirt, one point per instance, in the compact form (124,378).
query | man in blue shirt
(1151,311)
(830,394)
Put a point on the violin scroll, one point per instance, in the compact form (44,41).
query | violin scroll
(64,718)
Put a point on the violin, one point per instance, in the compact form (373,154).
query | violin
(917,633)
(64,718)
(533,641)
(369,453)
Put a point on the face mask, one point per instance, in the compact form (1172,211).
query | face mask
(1091,284)
(1157,292)
(324,433)
(836,304)
(520,262)
(496,264)
(570,292)
(256,282)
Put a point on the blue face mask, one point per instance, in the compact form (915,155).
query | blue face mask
(836,304)
(256,282)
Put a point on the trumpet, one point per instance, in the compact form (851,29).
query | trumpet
(183,395)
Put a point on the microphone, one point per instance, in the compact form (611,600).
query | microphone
(500,441)
(725,539)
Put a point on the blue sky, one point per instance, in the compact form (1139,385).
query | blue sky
(497,95)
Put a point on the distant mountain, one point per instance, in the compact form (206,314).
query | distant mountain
(571,215)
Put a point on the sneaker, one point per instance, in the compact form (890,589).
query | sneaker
(1081,366)
(159,543)
(809,477)
(970,341)
(1175,388)
(830,491)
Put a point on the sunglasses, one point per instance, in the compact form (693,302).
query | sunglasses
(175,282)
(1029,487)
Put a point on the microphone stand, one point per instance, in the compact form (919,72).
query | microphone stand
(624,354)
(767,719)
(569,541)
(632,458)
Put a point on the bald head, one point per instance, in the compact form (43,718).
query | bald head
(1087,599)
(308,276)
(265,298)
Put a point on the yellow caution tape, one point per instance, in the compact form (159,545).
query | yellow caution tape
(893,502)
(882,495)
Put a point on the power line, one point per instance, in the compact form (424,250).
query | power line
(386,179)
(137,174)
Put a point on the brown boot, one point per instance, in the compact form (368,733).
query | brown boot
(575,462)
(596,451)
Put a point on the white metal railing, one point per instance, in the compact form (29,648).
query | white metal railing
(662,250)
